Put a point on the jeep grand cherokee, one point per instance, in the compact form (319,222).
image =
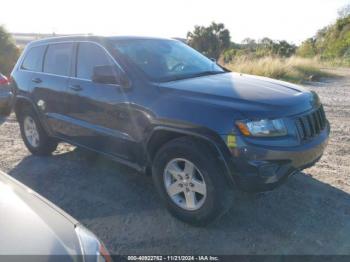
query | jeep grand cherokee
(161,107)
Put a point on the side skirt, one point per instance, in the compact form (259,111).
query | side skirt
(132,165)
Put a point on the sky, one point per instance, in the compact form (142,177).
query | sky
(291,20)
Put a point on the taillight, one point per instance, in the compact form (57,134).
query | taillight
(4,80)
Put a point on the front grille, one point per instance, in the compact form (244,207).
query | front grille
(311,124)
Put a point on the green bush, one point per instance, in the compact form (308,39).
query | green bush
(330,43)
(8,52)
(258,49)
(212,41)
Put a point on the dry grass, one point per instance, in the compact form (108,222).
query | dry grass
(293,69)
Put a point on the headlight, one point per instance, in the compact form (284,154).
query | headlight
(262,128)
(92,248)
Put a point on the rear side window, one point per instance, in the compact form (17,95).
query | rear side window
(89,56)
(33,60)
(58,59)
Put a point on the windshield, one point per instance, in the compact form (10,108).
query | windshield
(166,60)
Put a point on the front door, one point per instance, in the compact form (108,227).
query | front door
(98,112)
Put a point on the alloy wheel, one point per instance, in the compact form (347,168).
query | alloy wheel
(31,131)
(185,184)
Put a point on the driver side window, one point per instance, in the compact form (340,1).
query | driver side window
(89,56)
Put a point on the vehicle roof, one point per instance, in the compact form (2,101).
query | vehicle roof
(91,38)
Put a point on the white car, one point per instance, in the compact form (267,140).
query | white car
(32,225)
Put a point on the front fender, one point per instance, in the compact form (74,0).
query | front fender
(213,140)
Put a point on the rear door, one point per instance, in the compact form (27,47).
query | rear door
(99,112)
(50,86)
(31,68)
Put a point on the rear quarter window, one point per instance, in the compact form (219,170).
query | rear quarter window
(33,60)
(58,59)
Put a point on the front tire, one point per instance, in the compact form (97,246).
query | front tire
(33,134)
(190,181)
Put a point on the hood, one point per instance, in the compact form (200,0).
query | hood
(31,225)
(250,95)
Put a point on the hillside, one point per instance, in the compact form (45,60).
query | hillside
(331,42)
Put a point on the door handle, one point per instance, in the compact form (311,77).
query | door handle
(36,80)
(76,87)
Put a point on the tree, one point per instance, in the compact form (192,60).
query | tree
(307,48)
(8,52)
(284,49)
(211,41)
(249,43)
(344,11)
(266,42)
(268,47)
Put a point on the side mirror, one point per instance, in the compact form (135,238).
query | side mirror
(108,74)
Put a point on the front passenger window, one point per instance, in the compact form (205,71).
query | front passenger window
(89,56)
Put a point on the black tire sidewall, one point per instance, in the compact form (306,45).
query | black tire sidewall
(46,145)
(211,170)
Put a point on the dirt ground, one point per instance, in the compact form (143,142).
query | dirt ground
(310,214)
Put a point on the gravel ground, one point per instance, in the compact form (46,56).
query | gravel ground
(310,214)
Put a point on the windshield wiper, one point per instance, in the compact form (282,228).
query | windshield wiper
(205,73)
(181,77)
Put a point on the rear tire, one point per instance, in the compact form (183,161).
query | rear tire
(33,134)
(196,195)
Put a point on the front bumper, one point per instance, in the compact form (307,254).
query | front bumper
(257,168)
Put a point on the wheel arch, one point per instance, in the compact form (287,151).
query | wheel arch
(162,135)
(22,102)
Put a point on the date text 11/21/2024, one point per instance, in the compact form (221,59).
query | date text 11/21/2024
(173,258)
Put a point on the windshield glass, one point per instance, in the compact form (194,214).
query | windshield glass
(166,60)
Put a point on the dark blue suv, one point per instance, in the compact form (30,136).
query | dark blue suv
(162,108)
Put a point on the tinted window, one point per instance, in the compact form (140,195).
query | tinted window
(89,56)
(34,59)
(58,59)
(166,60)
